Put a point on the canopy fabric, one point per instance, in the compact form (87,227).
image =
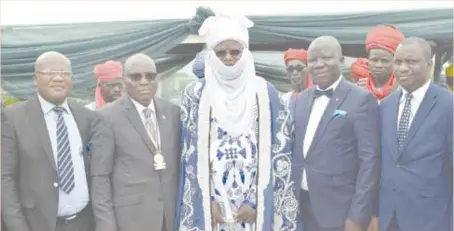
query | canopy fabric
(86,45)
(93,43)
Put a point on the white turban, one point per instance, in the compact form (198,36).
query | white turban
(234,86)
(216,29)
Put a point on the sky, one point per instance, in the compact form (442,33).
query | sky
(16,12)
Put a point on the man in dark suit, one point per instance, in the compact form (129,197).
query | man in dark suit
(337,145)
(416,190)
(44,164)
(135,156)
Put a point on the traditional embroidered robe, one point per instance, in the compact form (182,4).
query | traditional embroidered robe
(277,206)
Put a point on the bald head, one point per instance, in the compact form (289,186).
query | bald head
(141,80)
(325,61)
(138,62)
(422,45)
(327,43)
(53,77)
(49,59)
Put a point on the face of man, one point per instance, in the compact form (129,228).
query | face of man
(141,80)
(53,77)
(112,89)
(296,72)
(411,67)
(229,52)
(380,64)
(324,63)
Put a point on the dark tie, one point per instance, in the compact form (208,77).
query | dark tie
(404,122)
(64,159)
(328,93)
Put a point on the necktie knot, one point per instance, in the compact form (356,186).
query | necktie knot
(409,96)
(328,93)
(147,113)
(59,110)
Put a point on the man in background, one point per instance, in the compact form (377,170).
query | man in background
(109,85)
(381,44)
(295,65)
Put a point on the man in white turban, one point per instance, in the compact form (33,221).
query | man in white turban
(236,141)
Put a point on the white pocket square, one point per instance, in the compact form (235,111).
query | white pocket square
(339,114)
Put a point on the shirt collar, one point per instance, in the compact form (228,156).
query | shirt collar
(140,107)
(47,106)
(419,93)
(333,86)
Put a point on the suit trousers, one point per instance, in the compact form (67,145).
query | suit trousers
(83,222)
(309,221)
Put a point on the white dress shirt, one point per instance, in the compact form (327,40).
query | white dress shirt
(77,199)
(418,96)
(318,108)
(140,108)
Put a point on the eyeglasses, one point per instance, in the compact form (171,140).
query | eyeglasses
(52,74)
(233,53)
(149,76)
(298,68)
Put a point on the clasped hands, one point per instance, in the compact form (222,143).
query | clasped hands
(246,214)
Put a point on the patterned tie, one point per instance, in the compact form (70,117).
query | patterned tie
(404,122)
(149,124)
(64,159)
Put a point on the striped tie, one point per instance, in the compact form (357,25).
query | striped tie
(64,159)
(149,124)
(404,122)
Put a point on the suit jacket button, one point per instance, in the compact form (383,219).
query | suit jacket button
(55,185)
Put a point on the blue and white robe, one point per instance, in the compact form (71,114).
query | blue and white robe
(277,207)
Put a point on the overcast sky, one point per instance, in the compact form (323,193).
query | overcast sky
(15,12)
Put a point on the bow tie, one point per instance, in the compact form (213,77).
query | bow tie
(328,93)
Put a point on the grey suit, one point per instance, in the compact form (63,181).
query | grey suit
(29,176)
(343,161)
(128,193)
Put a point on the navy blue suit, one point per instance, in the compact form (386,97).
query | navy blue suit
(417,181)
(343,162)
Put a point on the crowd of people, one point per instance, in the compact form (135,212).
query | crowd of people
(372,153)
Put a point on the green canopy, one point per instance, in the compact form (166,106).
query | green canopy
(89,44)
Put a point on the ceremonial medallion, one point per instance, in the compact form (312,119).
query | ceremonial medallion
(159,163)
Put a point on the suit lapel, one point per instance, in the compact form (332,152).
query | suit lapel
(39,123)
(334,103)
(163,122)
(136,121)
(79,117)
(424,109)
(81,122)
(303,111)
(392,116)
